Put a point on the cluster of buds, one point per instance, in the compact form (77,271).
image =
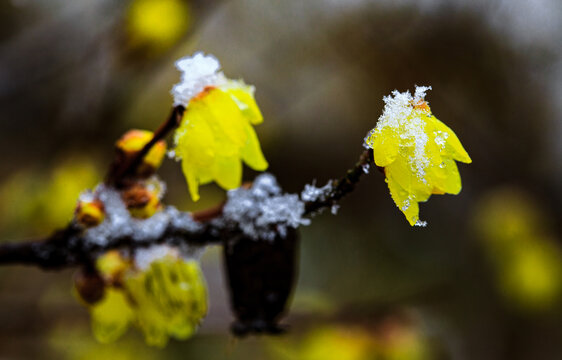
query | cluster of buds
(155,289)
(142,194)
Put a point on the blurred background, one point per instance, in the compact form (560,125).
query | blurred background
(482,281)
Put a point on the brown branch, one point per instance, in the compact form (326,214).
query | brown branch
(69,247)
(341,187)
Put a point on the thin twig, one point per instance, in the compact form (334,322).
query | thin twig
(341,187)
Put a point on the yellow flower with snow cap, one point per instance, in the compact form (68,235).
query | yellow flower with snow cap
(216,133)
(417,152)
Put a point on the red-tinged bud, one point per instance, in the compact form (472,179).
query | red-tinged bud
(89,213)
(89,286)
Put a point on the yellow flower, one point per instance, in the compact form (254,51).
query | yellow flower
(216,133)
(163,294)
(111,316)
(170,299)
(417,152)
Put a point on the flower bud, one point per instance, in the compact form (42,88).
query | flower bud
(135,140)
(89,213)
(112,266)
(141,202)
(89,285)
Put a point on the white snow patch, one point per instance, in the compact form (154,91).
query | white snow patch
(119,223)
(421,223)
(441,138)
(86,196)
(366,168)
(197,72)
(145,257)
(262,212)
(399,115)
(313,193)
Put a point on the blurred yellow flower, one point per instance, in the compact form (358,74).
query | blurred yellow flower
(158,24)
(525,257)
(35,202)
(170,299)
(163,294)
(417,152)
(216,133)
(389,340)
(111,316)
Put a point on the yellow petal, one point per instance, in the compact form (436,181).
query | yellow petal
(403,201)
(228,172)
(244,97)
(190,173)
(225,120)
(195,139)
(453,147)
(251,152)
(111,316)
(385,146)
(401,171)
(446,178)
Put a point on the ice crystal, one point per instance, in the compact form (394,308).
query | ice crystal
(366,168)
(262,211)
(197,72)
(399,115)
(313,193)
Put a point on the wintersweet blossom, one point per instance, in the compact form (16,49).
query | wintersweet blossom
(216,133)
(417,152)
(160,292)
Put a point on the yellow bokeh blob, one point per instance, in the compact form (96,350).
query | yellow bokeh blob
(158,24)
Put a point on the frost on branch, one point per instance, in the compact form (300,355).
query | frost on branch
(313,193)
(262,211)
(119,223)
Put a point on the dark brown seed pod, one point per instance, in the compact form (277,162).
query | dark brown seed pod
(261,276)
